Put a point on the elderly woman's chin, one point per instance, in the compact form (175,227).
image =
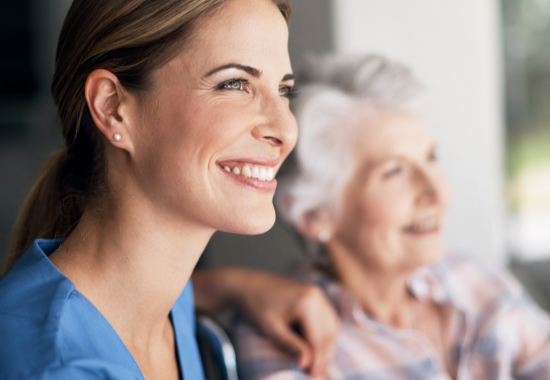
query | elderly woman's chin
(425,251)
(404,255)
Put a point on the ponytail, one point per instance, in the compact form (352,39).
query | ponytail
(72,177)
(38,218)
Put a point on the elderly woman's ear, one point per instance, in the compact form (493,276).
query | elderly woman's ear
(317,225)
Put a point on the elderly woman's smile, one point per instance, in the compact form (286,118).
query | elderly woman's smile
(425,226)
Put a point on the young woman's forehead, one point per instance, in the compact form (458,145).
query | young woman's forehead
(259,40)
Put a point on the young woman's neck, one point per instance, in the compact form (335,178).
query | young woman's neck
(132,262)
(382,293)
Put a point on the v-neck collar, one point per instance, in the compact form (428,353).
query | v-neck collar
(184,333)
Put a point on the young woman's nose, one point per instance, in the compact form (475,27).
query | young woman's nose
(279,126)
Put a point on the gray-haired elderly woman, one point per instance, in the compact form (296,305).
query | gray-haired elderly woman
(367,194)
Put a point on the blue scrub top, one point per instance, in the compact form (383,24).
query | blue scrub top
(49,330)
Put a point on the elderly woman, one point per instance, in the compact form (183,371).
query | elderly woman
(366,192)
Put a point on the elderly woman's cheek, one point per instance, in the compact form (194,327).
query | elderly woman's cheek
(445,192)
(386,208)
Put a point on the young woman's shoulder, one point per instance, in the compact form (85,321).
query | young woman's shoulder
(48,330)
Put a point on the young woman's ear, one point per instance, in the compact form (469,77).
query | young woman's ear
(317,225)
(110,107)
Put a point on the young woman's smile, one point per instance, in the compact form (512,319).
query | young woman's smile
(256,173)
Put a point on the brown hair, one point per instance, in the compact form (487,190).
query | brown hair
(130,38)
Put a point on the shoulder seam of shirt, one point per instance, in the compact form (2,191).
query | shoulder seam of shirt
(57,345)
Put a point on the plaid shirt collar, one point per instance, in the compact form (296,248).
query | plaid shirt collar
(427,283)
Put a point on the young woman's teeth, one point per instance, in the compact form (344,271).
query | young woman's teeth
(263,174)
(257,172)
(246,172)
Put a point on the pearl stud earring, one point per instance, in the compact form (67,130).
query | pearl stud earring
(324,236)
(117,137)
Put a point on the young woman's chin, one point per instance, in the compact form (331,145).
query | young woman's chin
(249,221)
(241,208)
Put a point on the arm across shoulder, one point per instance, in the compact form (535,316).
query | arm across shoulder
(261,358)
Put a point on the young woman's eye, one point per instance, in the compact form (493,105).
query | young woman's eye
(432,157)
(235,84)
(288,91)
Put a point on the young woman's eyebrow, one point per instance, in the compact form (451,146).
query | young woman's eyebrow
(250,70)
(288,77)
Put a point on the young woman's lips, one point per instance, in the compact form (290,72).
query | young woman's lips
(253,183)
(265,183)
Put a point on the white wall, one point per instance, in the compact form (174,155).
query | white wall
(454,48)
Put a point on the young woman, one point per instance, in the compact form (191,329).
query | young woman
(176,119)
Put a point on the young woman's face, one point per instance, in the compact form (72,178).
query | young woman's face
(217,117)
(395,203)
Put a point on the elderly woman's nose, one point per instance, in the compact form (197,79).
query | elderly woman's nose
(279,127)
(430,187)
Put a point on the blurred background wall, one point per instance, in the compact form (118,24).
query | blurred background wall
(526,28)
(465,52)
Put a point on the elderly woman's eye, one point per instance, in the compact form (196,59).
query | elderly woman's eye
(393,172)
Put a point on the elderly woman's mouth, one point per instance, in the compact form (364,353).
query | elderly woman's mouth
(422,227)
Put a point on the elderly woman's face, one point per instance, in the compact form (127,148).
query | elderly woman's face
(218,116)
(395,204)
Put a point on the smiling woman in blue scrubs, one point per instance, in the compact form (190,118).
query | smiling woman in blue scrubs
(176,118)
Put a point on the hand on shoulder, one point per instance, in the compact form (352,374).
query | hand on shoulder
(296,315)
